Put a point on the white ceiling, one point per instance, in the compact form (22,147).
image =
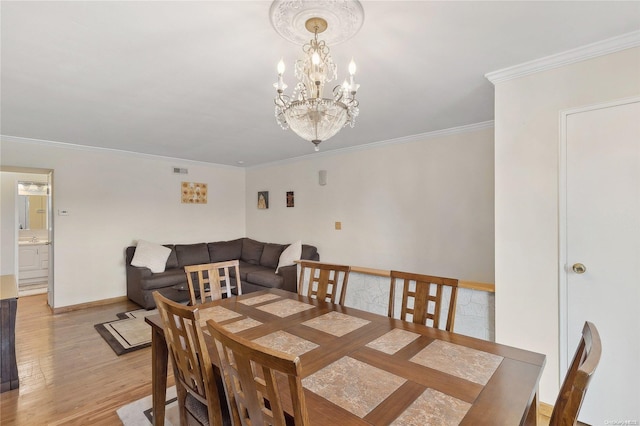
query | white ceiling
(193,80)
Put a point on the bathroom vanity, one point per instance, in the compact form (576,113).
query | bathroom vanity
(33,259)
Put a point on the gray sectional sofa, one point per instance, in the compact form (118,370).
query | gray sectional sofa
(258,263)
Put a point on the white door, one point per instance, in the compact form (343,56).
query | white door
(603,233)
(50,298)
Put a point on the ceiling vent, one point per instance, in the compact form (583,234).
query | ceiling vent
(180,171)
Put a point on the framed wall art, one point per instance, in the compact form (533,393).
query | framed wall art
(263,199)
(194,193)
(290,199)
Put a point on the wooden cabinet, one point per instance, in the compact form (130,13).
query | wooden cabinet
(8,306)
(33,261)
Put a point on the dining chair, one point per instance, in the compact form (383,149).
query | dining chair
(250,372)
(422,298)
(199,393)
(326,281)
(576,381)
(215,275)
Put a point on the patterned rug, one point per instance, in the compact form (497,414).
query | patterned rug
(129,333)
(139,413)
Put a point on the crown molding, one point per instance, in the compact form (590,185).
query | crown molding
(604,47)
(401,140)
(44,142)
(420,137)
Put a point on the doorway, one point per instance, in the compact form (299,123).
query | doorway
(27,237)
(600,251)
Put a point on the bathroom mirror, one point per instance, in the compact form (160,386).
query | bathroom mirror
(32,205)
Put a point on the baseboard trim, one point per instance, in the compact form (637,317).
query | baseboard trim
(95,303)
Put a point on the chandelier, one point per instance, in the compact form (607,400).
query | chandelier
(310,112)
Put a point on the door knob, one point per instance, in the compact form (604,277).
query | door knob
(579,268)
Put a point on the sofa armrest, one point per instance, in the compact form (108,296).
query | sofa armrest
(289,276)
(135,275)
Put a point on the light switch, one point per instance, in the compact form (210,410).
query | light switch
(338,225)
(63,212)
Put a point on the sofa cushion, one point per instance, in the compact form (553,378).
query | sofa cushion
(192,254)
(172,261)
(246,268)
(309,252)
(290,255)
(151,255)
(170,277)
(251,251)
(271,255)
(225,250)
(265,278)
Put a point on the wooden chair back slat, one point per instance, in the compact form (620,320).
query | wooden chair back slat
(325,281)
(576,381)
(422,298)
(210,278)
(192,365)
(250,377)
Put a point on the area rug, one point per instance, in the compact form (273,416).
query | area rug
(129,333)
(139,413)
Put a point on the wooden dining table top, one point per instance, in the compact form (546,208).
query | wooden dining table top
(361,368)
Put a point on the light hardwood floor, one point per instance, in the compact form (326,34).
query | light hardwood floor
(68,373)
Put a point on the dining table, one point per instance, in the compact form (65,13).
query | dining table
(361,368)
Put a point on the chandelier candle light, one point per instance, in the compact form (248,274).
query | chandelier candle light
(307,112)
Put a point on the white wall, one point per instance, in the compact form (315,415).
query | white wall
(527,121)
(116,198)
(424,206)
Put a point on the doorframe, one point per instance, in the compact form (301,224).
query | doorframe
(563,268)
(51,225)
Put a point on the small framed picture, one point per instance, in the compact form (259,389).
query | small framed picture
(263,199)
(290,199)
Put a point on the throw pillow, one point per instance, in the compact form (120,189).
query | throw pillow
(290,255)
(150,255)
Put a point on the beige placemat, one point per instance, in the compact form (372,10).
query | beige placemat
(285,307)
(460,361)
(286,342)
(353,385)
(393,341)
(336,323)
(433,408)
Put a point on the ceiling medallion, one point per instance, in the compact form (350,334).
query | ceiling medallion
(344,19)
(307,111)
